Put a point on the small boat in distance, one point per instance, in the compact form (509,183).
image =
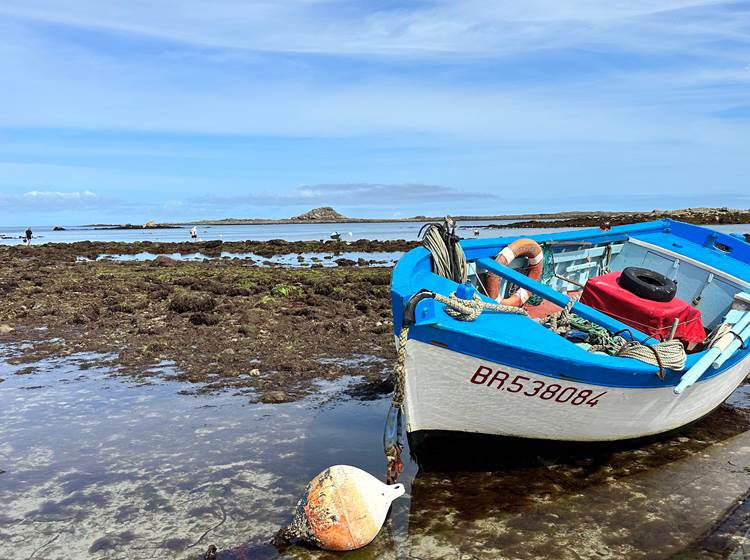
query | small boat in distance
(582,336)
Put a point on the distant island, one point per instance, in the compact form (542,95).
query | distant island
(322,214)
(148,225)
(328,215)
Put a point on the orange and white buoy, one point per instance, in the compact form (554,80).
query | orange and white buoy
(343,508)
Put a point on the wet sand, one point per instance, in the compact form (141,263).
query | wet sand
(134,468)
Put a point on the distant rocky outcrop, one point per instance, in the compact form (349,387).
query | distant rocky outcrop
(322,214)
(58,228)
(150,224)
(704,216)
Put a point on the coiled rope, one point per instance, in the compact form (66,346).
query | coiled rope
(669,354)
(470,309)
(448,258)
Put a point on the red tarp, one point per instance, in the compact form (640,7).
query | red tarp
(654,318)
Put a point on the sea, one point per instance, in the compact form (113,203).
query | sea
(290,232)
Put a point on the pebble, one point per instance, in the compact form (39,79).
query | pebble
(5,329)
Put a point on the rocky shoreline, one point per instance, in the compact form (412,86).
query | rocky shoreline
(269,333)
(721,215)
(699,216)
(213,248)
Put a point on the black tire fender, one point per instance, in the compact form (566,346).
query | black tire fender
(648,284)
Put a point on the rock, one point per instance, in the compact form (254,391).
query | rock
(58,228)
(87,314)
(6,329)
(345,262)
(205,319)
(163,260)
(255,372)
(248,330)
(184,302)
(150,224)
(272,397)
(213,243)
(322,214)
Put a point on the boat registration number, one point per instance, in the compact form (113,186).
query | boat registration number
(533,388)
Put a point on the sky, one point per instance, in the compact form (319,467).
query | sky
(115,112)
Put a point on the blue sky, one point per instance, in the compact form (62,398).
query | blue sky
(179,110)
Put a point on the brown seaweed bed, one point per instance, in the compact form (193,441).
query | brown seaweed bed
(223,324)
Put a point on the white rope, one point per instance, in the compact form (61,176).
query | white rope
(719,332)
(669,354)
(468,309)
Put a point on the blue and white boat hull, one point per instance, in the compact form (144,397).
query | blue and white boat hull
(450,391)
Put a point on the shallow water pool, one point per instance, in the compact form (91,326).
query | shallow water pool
(102,466)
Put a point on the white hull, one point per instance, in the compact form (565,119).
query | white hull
(440,395)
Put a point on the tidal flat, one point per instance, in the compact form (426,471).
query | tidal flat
(223,324)
(149,409)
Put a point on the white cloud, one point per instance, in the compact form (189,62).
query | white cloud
(326,26)
(345,194)
(59,82)
(58,197)
(38,201)
(534,96)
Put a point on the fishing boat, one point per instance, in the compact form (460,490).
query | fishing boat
(592,335)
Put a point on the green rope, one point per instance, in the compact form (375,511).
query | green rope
(600,339)
(668,354)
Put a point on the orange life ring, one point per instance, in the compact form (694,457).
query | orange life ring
(520,248)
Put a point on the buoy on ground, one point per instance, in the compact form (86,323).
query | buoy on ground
(343,508)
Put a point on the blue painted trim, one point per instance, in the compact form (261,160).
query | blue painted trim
(699,243)
(550,361)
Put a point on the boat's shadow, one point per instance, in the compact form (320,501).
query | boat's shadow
(522,487)
(452,451)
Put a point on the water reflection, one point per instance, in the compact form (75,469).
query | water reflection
(324,259)
(103,466)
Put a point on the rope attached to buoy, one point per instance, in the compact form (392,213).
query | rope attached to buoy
(461,310)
